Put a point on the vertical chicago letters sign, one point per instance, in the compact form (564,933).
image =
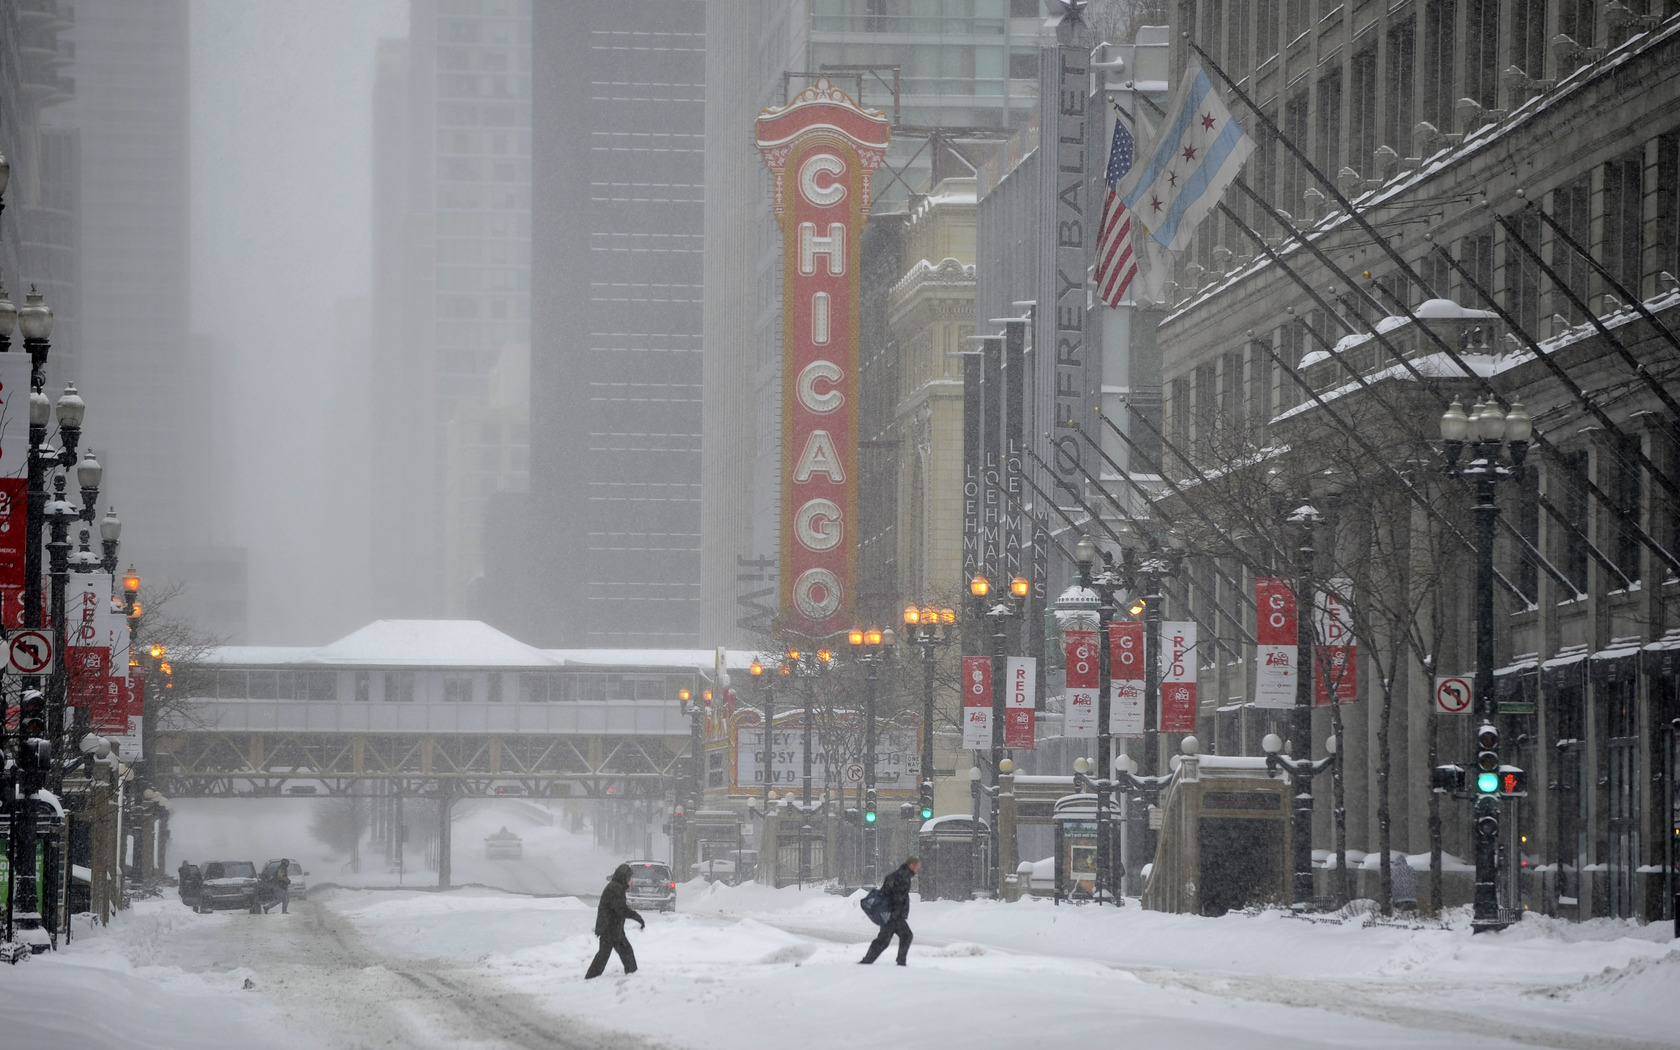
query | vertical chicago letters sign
(822,150)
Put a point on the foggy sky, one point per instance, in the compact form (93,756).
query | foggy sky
(281,155)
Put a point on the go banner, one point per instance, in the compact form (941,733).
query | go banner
(1125,677)
(1080,719)
(977,702)
(1275,655)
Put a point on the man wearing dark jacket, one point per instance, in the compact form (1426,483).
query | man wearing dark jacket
(896,889)
(609,925)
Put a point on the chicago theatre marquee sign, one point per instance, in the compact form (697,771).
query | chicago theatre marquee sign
(822,149)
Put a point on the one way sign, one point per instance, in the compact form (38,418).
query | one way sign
(30,652)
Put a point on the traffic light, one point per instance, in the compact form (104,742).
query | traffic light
(1512,781)
(926,799)
(1487,760)
(869,806)
(34,762)
(1487,816)
(1447,780)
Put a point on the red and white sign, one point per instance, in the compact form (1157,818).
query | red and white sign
(1335,657)
(1454,695)
(14,465)
(822,150)
(1020,703)
(1125,677)
(87,637)
(1275,655)
(1178,676)
(977,702)
(1080,719)
(30,652)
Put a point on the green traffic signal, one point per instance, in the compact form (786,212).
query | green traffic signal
(869,817)
(1487,783)
(927,812)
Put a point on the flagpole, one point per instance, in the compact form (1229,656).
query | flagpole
(1621,349)
(1616,286)
(1388,249)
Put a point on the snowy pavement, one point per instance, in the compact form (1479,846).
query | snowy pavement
(752,966)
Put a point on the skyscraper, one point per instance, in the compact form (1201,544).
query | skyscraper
(618,140)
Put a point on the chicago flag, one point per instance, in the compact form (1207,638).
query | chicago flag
(1198,153)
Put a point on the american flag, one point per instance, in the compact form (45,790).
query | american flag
(1116,264)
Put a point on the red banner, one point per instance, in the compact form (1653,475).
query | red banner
(1276,601)
(1082,667)
(822,150)
(1126,677)
(1178,677)
(1275,631)
(977,702)
(1020,703)
(1079,719)
(1335,658)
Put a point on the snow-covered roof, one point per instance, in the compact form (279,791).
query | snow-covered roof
(458,644)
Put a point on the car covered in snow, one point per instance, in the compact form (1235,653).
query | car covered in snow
(228,884)
(503,845)
(651,886)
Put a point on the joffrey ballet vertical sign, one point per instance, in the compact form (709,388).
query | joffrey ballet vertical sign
(822,149)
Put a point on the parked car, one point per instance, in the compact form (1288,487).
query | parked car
(191,880)
(228,884)
(651,886)
(266,881)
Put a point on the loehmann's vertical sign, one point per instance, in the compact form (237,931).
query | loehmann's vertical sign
(822,149)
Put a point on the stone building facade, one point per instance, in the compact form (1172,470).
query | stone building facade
(1452,126)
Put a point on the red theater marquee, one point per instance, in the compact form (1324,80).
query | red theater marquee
(822,149)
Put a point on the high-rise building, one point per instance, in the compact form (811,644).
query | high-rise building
(451,281)
(618,140)
(951,69)
(134,358)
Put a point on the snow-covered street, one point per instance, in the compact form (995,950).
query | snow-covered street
(749,966)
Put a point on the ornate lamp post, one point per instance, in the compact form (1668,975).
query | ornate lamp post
(1491,435)
(807,666)
(871,644)
(929,630)
(999,613)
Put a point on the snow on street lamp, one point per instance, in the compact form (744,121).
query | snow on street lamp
(927,628)
(1491,435)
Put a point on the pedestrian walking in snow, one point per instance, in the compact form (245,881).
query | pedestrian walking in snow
(282,888)
(609,925)
(1404,883)
(896,888)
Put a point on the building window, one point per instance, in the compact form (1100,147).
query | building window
(1668,204)
(1295,174)
(1328,141)
(1213,14)
(1438,37)
(1207,408)
(399,687)
(1528,39)
(1299,11)
(1627,489)
(1263,163)
(1180,412)
(1572,208)
(1528,527)
(1624,219)
(1577,20)
(1265,30)
(323,686)
(1475,254)
(1290,341)
(1260,363)
(457,689)
(364,687)
(1400,80)
(1237,42)
(1362,117)
(1236,397)
(1481,52)
(1522,275)
(1566,484)
(495,696)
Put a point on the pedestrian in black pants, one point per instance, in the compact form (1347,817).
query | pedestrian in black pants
(896,889)
(609,925)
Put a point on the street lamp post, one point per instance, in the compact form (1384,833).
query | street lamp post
(807,666)
(872,646)
(1105,584)
(1491,434)
(1304,518)
(928,629)
(1000,614)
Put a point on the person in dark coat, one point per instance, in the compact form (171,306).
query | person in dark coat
(282,888)
(609,925)
(896,889)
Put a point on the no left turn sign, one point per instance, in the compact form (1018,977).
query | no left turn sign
(1453,695)
(30,652)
